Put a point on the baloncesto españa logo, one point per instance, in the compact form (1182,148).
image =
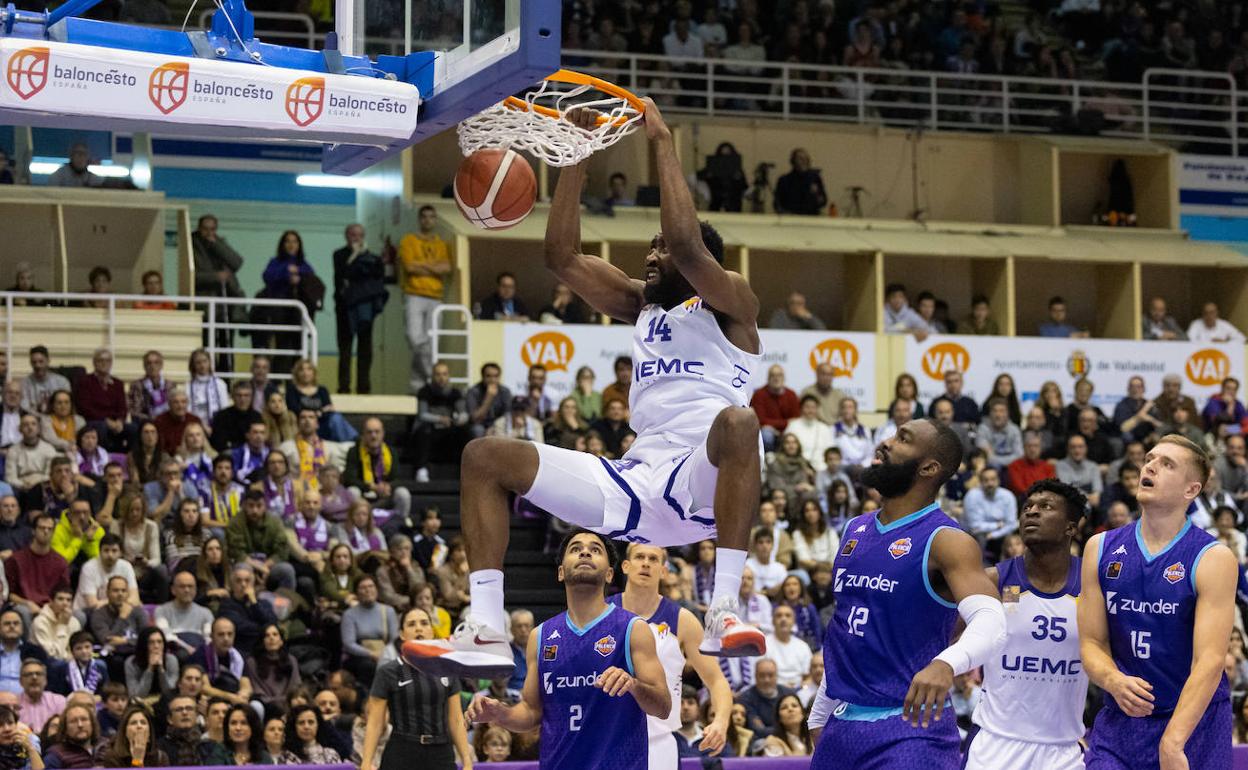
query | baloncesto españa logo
(27,71)
(168,85)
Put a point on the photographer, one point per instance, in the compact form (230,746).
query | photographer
(801,190)
(725,178)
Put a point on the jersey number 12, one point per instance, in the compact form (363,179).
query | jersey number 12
(857,619)
(660,329)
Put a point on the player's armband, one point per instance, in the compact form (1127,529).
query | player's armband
(820,707)
(984,635)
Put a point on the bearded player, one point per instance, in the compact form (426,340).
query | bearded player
(903,576)
(593,674)
(1155,619)
(693,470)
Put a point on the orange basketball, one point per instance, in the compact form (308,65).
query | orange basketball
(495,188)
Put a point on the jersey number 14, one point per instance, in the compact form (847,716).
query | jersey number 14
(659,329)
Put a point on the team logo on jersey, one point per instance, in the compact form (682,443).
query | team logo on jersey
(662,629)
(899,548)
(1174,573)
(549,651)
(691,304)
(1113,570)
(554,634)
(605,646)
(861,528)
(849,547)
(1122,549)
(1011,594)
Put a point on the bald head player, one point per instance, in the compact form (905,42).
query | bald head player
(1155,619)
(677,636)
(903,576)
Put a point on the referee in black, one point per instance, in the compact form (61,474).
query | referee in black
(426,713)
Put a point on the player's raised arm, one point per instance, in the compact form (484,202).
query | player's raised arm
(715,735)
(959,560)
(604,286)
(526,714)
(726,291)
(1217,575)
(1133,695)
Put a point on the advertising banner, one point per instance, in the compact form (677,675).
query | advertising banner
(1032,361)
(565,349)
(63,78)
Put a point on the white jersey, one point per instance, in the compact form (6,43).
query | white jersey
(1034,689)
(685,372)
(665,623)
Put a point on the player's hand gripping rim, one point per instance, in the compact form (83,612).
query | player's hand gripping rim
(1132,694)
(925,701)
(615,682)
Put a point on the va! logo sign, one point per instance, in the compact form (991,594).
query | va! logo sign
(27,71)
(305,100)
(1207,367)
(841,354)
(943,357)
(167,86)
(552,350)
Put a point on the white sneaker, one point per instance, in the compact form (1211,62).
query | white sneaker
(422,476)
(726,636)
(475,650)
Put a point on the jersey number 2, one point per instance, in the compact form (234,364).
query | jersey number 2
(574,718)
(857,619)
(660,329)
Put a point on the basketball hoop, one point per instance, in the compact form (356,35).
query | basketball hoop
(536,122)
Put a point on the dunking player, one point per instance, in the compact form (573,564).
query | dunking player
(677,635)
(593,673)
(1031,714)
(694,468)
(1155,619)
(903,576)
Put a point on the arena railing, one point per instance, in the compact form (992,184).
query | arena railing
(1196,109)
(222,323)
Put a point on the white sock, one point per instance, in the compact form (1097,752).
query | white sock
(729,564)
(485,586)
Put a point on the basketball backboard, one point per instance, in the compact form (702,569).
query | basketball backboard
(395,73)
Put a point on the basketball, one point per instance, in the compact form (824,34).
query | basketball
(495,188)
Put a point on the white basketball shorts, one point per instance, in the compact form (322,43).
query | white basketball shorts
(660,493)
(994,752)
(663,752)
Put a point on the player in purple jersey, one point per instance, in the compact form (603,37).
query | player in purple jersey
(593,673)
(1155,618)
(901,579)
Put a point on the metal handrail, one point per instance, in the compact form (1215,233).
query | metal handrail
(437,332)
(210,305)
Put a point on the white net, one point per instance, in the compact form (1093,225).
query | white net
(536,124)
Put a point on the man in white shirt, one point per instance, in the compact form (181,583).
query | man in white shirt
(11,412)
(755,608)
(853,439)
(815,435)
(93,580)
(792,655)
(768,574)
(1210,328)
(682,42)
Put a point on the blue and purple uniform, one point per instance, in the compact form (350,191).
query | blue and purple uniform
(1150,603)
(889,624)
(582,726)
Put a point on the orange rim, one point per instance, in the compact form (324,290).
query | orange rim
(581,79)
